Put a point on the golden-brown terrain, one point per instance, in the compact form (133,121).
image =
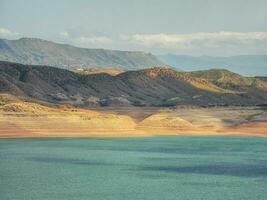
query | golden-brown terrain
(110,71)
(26,119)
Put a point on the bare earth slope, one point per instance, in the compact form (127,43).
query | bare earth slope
(25,119)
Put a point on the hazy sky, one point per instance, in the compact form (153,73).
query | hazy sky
(194,27)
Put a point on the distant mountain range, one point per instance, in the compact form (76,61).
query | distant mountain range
(41,52)
(160,86)
(247,65)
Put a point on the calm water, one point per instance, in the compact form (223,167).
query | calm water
(156,168)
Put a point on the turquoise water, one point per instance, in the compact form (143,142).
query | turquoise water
(155,168)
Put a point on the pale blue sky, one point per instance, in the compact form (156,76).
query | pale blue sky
(196,27)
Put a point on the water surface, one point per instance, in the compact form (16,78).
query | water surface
(154,168)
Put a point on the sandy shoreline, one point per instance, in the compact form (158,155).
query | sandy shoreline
(20,119)
(13,130)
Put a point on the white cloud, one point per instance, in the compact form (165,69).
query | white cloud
(6,33)
(189,40)
(93,40)
(64,34)
(201,43)
(85,41)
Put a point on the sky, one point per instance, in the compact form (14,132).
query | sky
(189,27)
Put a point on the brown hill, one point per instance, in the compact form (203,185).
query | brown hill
(232,81)
(149,87)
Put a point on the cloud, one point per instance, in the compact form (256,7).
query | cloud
(6,33)
(185,41)
(202,42)
(93,40)
(85,40)
(64,34)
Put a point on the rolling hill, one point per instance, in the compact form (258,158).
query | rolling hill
(247,65)
(229,80)
(160,86)
(41,52)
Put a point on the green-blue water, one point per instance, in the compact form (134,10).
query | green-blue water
(156,168)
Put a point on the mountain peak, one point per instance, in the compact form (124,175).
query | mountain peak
(30,39)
